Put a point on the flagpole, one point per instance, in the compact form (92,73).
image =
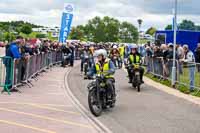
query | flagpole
(174,51)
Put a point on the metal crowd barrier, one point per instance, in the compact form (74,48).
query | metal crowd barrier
(18,72)
(6,73)
(186,74)
(189,75)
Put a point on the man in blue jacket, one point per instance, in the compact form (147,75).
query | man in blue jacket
(12,51)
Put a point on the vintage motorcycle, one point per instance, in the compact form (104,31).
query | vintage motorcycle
(98,97)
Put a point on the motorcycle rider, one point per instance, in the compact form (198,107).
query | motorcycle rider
(115,55)
(134,58)
(86,53)
(104,66)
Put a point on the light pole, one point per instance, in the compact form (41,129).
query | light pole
(140,24)
(174,52)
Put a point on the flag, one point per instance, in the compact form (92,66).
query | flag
(66,22)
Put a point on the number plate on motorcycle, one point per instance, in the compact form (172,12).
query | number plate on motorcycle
(102,84)
(137,73)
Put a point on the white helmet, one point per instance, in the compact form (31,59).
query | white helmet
(115,46)
(100,52)
(134,46)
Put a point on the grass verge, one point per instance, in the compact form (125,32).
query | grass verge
(182,88)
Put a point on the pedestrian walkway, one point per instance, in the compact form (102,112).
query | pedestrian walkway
(42,108)
(2,51)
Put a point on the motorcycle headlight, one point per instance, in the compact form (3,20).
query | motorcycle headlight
(102,84)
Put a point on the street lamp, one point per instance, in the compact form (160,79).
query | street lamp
(174,52)
(140,24)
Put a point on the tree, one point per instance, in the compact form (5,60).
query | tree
(77,33)
(40,36)
(105,29)
(187,25)
(7,36)
(184,25)
(168,27)
(151,31)
(198,28)
(102,30)
(111,29)
(128,33)
(26,29)
(95,30)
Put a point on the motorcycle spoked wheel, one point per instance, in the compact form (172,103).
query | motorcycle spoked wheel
(138,83)
(94,105)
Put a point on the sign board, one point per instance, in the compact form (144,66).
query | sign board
(66,22)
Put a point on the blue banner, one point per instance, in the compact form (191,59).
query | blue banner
(66,22)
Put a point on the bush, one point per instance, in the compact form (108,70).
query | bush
(40,36)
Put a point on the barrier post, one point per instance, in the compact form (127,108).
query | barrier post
(6,73)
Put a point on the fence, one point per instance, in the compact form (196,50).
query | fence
(27,68)
(6,73)
(187,74)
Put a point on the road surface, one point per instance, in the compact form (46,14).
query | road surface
(151,111)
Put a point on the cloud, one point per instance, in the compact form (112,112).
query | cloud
(156,13)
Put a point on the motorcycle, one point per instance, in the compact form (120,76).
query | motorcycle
(136,82)
(98,97)
(66,58)
(86,65)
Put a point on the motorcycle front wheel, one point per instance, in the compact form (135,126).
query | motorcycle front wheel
(94,104)
(138,83)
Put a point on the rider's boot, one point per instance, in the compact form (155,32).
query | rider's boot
(141,79)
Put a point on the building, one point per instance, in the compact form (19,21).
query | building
(191,38)
(46,30)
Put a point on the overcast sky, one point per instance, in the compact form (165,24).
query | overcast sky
(157,13)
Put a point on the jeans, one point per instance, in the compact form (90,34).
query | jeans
(192,75)
(111,86)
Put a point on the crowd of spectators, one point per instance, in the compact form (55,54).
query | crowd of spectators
(159,60)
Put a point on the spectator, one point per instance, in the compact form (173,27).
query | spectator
(190,60)
(157,61)
(170,57)
(12,51)
(72,49)
(26,51)
(66,55)
(164,49)
(197,57)
(180,55)
(149,54)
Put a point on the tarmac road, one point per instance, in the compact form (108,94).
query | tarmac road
(150,111)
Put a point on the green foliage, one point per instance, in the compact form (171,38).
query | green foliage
(182,88)
(77,33)
(26,29)
(7,36)
(151,31)
(40,36)
(105,30)
(128,33)
(185,25)
(168,27)
(15,26)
